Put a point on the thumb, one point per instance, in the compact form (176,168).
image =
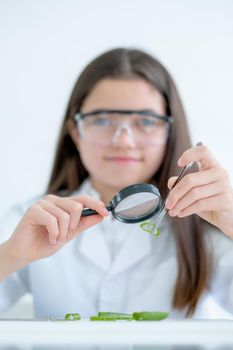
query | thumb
(88,221)
(171,182)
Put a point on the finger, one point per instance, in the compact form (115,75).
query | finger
(39,216)
(92,203)
(73,208)
(85,223)
(196,194)
(199,154)
(171,182)
(211,204)
(190,181)
(63,218)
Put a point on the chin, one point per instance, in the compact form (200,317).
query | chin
(121,182)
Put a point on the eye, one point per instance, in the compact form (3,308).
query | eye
(99,121)
(147,122)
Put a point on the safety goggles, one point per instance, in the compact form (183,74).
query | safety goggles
(105,127)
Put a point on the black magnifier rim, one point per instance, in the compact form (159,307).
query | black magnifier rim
(130,190)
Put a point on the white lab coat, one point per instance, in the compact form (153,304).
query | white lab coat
(115,267)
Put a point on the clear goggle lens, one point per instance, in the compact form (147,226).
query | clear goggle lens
(106,128)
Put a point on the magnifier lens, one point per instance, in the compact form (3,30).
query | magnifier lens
(137,206)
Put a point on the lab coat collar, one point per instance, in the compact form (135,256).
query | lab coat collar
(94,247)
(134,249)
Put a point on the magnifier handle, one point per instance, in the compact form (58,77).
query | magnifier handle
(88,212)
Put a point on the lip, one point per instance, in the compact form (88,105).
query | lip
(123,160)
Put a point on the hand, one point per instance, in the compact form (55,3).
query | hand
(50,223)
(207,193)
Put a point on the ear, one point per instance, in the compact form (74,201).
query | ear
(73,132)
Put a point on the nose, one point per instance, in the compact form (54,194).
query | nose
(123,136)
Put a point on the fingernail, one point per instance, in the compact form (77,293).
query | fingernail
(105,211)
(179,162)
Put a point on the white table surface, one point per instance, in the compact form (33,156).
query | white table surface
(211,334)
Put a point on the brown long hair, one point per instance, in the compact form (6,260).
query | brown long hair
(68,171)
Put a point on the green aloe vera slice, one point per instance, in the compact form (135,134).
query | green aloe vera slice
(150,315)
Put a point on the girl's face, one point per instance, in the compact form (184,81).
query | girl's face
(124,161)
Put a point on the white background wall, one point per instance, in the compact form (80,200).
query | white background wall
(44,44)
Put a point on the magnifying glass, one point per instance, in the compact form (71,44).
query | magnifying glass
(140,202)
(133,204)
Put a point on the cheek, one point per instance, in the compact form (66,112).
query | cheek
(91,156)
(154,158)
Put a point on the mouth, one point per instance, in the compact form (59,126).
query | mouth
(123,160)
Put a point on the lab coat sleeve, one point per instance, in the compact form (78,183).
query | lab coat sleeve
(221,285)
(13,287)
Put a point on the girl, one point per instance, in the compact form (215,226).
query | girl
(124,124)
